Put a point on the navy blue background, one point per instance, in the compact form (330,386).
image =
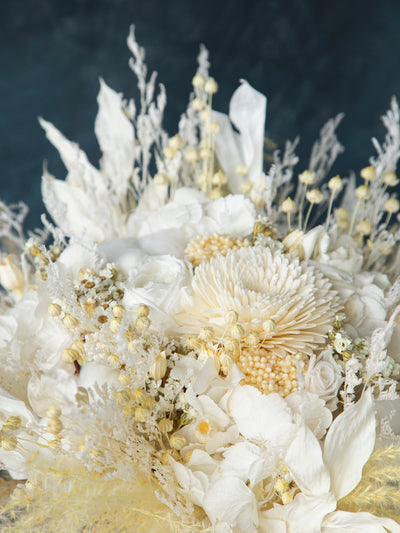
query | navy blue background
(312,58)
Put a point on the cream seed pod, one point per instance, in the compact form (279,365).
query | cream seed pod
(123,380)
(242,170)
(115,325)
(142,323)
(159,368)
(307,177)
(193,343)
(69,321)
(78,346)
(129,410)
(314,196)
(214,128)
(231,317)
(122,397)
(54,310)
(165,425)
(176,142)
(206,334)
(253,338)
(54,426)
(245,187)
(177,441)
(141,414)
(226,361)
(12,424)
(232,345)
(335,184)
(211,86)
(368,173)
(70,355)
(269,326)
(237,331)
(8,442)
(288,206)
(191,155)
(161,179)
(390,179)
(363,192)
(198,103)
(198,80)
(392,205)
(53,411)
(364,227)
(139,396)
(143,310)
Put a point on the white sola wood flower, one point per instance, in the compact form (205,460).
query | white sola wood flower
(284,309)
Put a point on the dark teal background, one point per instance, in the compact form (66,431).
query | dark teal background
(313,59)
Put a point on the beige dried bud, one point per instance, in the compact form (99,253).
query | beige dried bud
(368,173)
(364,227)
(198,80)
(198,103)
(391,205)
(206,153)
(177,441)
(141,414)
(390,179)
(169,152)
(142,323)
(231,317)
(82,395)
(335,184)
(253,338)
(206,334)
(211,86)
(287,497)
(288,206)
(79,346)
(129,410)
(307,177)
(54,310)
(176,142)
(281,485)
(54,411)
(245,187)
(165,425)
(54,426)
(242,170)
(269,326)
(226,361)
(161,179)
(11,275)
(362,192)
(341,213)
(159,368)
(214,127)
(122,397)
(143,310)
(191,155)
(69,321)
(237,331)
(115,325)
(123,380)
(193,343)
(219,178)
(8,442)
(314,196)
(12,424)
(139,396)
(70,355)
(232,345)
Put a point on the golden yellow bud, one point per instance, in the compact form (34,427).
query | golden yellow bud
(70,355)
(390,179)
(307,177)
(314,196)
(118,311)
(115,325)
(368,173)
(12,424)
(70,322)
(8,442)
(362,192)
(123,380)
(335,184)
(392,205)
(177,442)
(143,310)
(54,426)
(139,396)
(54,310)
(165,425)
(53,411)
(141,414)
(288,205)
(198,80)
(159,368)
(122,397)
(211,86)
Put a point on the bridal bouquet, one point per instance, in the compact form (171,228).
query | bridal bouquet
(204,338)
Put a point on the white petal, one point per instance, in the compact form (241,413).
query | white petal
(304,460)
(230,500)
(261,417)
(341,521)
(247,462)
(194,483)
(234,215)
(312,411)
(116,138)
(303,515)
(348,445)
(68,207)
(228,149)
(247,110)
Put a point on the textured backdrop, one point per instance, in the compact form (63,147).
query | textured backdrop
(312,58)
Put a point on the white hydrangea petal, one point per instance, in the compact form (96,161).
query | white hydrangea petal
(311,410)
(234,215)
(304,460)
(361,522)
(261,417)
(195,484)
(116,137)
(304,514)
(247,462)
(349,443)
(228,150)
(58,387)
(229,500)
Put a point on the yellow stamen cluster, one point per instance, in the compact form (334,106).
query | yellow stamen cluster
(268,372)
(204,248)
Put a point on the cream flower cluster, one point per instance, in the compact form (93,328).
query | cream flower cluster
(197,342)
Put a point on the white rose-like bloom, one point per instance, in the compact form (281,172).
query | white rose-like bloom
(324,378)
(263,288)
